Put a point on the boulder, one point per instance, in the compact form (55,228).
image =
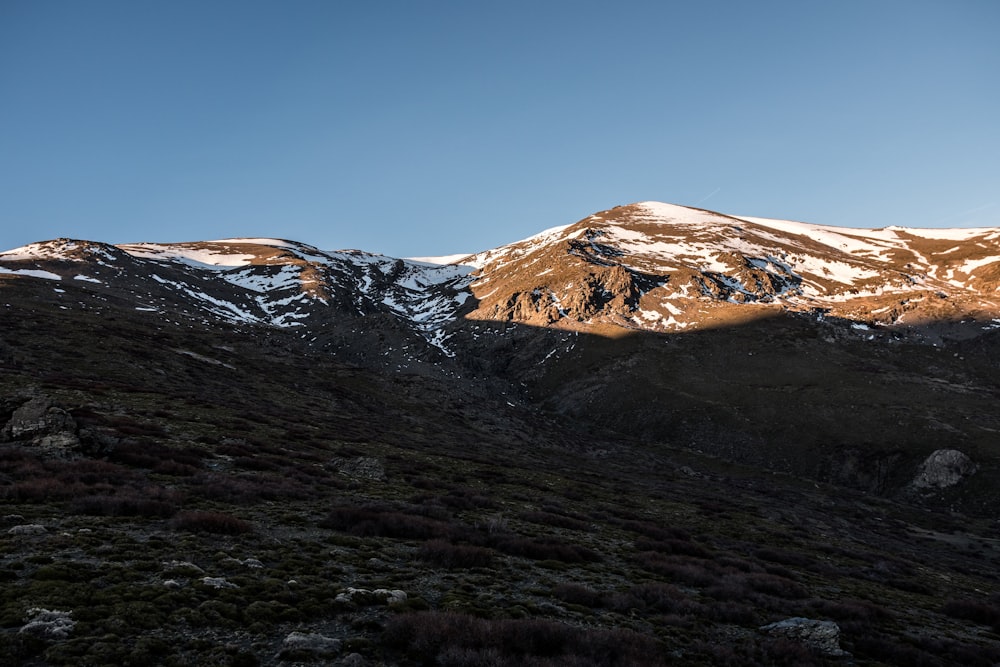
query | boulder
(363,467)
(48,623)
(823,636)
(311,642)
(48,427)
(38,417)
(943,468)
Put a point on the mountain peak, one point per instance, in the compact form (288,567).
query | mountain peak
(643,266)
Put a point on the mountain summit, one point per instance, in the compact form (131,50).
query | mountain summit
(647,266)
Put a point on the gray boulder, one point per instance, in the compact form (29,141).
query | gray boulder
(48,427)
(363,467)
(824,636)
(38,417)
(48,623)
(944,468)
(311,642)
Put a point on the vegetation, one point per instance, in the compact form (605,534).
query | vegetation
(207,516)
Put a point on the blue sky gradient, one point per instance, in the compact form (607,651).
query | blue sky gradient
(443,127)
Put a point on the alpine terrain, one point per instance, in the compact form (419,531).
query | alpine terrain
(657,435)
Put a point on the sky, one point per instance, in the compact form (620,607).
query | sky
(439,127)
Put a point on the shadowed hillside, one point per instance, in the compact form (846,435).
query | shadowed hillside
(202,494)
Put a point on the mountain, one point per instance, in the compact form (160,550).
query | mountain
(750,338)
(638,439)
(648,266)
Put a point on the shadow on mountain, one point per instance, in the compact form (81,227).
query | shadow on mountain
(181,491)
(788,393)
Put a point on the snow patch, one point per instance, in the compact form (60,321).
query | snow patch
(34,273)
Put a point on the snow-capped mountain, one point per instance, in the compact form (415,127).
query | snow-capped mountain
(647,266)
(665,267)
(806,348)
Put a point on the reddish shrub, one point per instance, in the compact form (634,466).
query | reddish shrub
(783,557)
(986,612)
(210,522)
(454,556)
(555,520)
(127,505)
(545,548)
(455,639)
(672,546)
(385,522)
(777,586)
(581,595)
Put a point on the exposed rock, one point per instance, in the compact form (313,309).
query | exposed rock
(824,636)
(28,529)
(944,468)
(48,623)
(182,567)
(363,596)
(218,582)
(364,467)
(48,427)
(312,642)
(38,417)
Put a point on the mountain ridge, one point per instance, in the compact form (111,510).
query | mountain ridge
(649,266)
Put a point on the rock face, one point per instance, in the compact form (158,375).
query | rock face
(46,426)
(944,468)
(824,636)
(311,642)
(48,623)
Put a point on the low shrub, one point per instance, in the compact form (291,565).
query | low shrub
(555,520)
(385,522)
(545,548)
(580,595)
(123,505)
(456,639)
(210,522)
(455,556)
(671,546)
(986,612)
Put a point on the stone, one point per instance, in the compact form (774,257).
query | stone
(363,467)
(312,642)
(27,529)
(944,468)
(48,623)
(218,582)
(38,417)
(824,636)
(363,596)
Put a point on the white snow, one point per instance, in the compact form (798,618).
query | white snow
(971,265)
(287,276)
(439,261)
(201,258)
(34,273)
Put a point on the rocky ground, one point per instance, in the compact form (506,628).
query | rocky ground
(198,495)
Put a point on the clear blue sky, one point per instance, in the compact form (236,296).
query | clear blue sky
(415,128)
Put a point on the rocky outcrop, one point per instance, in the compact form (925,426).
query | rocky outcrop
(363,467)
(942,469)
(312,643)
(48,623)
(45,426)
(823,636)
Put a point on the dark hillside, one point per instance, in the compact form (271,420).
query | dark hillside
(190,493)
